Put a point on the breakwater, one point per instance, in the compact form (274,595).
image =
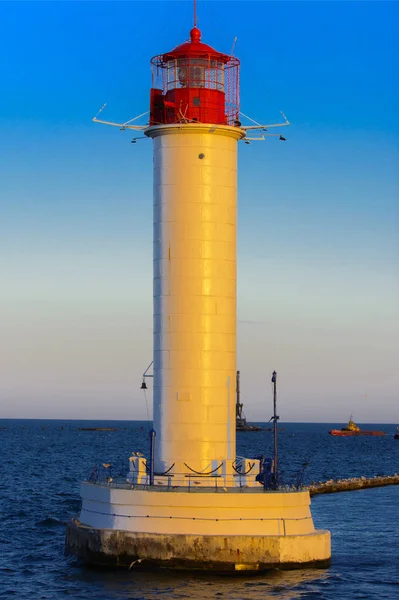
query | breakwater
(354,483)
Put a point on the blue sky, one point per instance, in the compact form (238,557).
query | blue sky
(318,288)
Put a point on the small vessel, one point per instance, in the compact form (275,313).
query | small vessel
(241,421)
(352,430)
(97,429)
(396,436)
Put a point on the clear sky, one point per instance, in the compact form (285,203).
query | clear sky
(318,254)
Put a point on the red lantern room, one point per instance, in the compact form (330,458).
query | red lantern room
(194,83)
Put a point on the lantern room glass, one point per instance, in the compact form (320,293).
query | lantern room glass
(189,72)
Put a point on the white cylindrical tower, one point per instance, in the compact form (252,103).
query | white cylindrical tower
(195,206)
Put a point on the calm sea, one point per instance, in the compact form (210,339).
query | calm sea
(43,462)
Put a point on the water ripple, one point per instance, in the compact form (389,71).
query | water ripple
(39,492)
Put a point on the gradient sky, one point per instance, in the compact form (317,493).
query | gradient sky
(318,254)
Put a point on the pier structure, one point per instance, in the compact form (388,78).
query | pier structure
(192,503)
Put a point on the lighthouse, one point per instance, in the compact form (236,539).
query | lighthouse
(194,126)
(192,503)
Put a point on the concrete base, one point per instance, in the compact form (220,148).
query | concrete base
(125,549)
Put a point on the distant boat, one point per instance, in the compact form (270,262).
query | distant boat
(271,428)
(353,430)
(241,421)
(97,428)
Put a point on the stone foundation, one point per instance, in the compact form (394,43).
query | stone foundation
(115,548)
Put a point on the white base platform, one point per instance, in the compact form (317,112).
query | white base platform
(233,529)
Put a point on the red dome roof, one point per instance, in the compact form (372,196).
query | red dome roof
(195,49)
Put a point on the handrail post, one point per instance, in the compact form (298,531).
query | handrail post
(275,419)
(266,482)
(152,453)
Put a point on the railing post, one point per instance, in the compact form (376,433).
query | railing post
(275,418)
(265,482)
(152,457)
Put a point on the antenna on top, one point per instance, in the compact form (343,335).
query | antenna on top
(233,47)
(195,13)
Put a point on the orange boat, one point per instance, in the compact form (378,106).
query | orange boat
(352,430)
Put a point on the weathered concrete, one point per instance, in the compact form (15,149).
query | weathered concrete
(117,548)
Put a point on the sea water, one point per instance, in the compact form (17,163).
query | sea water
(43,463)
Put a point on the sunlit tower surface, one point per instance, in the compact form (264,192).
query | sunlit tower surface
(193,502)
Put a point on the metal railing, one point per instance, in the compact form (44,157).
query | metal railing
(280,522)
(110,475)
(216,485)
